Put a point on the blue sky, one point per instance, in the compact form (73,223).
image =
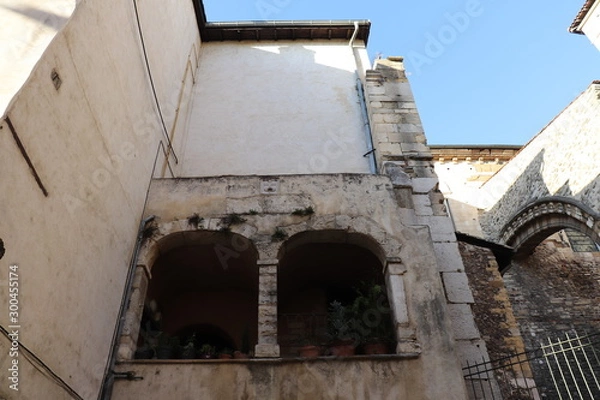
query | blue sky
(482,71)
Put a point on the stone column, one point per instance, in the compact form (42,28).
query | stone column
(133,315)
(267,346)
(405,332)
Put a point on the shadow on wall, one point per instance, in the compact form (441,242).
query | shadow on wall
(529,187)
(48,18)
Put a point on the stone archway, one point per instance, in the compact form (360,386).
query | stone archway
(538,220)
(318,268)
(200,282)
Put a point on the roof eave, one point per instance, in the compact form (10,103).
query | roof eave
(279,30)
(577,22)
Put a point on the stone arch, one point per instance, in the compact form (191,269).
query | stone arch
(318,267)
(179,268)
(543,217)
(358,230)
(334,236)
(169,235)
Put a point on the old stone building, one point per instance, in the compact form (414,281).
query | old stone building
(236,194)
(189,187)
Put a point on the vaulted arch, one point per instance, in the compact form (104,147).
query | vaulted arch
(540,219)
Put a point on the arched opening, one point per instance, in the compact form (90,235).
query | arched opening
(553,280)
(543,218)
(321,276)
(203,295)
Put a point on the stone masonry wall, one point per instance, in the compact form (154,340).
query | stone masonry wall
(402,153)
(495,320)
(554,292)
(492,307)
(560,161)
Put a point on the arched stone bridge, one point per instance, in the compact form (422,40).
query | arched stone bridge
(543,217)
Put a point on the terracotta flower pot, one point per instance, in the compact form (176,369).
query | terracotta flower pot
(376,348)
(309,351)
(240,355)
(342,350)
(225,356)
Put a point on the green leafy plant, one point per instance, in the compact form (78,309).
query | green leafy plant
(195,220)
(340,322)
(279,235)
(371,313)
(188,351)
(303,212)
(149,231)
(232,219)
(207,350)
(166,346)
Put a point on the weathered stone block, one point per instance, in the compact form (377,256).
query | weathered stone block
(424,185)
(448,257)
(397,296)
(262,350)
(268,269)
(463,324)
(457,287)
(266,312)
(267,282)
(396,268)
(422,204)
(408,347)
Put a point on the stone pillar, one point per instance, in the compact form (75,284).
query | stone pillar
(397,130)
(405,333)
(133,315)
(267,346)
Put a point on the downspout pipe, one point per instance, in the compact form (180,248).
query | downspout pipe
(109,373)
(363,106)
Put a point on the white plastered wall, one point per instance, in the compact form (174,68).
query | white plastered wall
(276,108)
(591,25)
(92,142)
(26,29)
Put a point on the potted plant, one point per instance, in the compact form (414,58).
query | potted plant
(310,347)
(206,351)
(340,330)
(226,353)
(166,346)
(188,351)
(146,346)
(372,318)
(244,352)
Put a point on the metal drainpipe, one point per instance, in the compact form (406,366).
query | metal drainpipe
(109,374)
(367,126)
(363,106)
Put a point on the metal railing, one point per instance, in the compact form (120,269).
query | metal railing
(567,368)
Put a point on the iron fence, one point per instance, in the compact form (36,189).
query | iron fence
(563,368)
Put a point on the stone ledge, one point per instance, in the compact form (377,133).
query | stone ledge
(280,360)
